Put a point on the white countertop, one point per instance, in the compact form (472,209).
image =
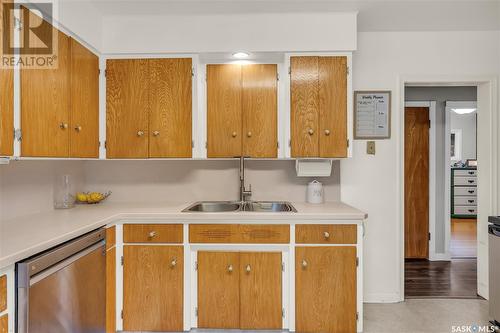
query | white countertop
(25,236)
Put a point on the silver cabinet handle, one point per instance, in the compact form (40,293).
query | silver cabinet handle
(326,234)
(152,234)
(230,268)
(248,269)
(304,263)
(173,263)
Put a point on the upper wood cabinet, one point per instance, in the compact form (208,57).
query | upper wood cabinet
(318,101)
(242,110)
(149,108)
(6,104)
(325,289)
(59,107)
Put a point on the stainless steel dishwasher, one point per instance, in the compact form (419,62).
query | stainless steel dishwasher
(63,289)
(494,268)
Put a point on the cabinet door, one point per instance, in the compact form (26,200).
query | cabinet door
(260,110)
(127,108)
(153,288)
(170,97)
(332,107)
(224,119)
(260,290)
(325,289)
(45,105)
(218,290)
(84,123)
(304,82)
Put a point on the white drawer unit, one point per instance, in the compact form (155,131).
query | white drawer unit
(463,192)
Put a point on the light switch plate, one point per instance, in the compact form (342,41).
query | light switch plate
(370,147)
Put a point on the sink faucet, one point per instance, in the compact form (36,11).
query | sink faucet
(244,193)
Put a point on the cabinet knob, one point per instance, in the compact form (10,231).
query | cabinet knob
(311,131)
(326,234)
(327,132)
(304,263)
(173,263)
(249,134)
(230,268)
(248,268)
(140,133)
(63,125)
(234,134)
(78,128)
(152,234)
(156,133)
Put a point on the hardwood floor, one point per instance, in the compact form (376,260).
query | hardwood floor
(463,238)
(441,279)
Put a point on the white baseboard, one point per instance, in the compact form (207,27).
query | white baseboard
(383,298)
(440,256)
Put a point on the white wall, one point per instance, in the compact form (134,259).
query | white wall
(371,183)
(83,19)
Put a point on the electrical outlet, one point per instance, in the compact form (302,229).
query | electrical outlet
(370,147)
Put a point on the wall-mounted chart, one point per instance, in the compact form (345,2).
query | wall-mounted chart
(372,115)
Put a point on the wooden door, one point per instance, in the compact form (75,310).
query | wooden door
(84,115)
(304,108)
(170,98)
(224,119)
(218,290)
(325,289)
(127,108)
(45,106)
(6,103)
(417,182)
(260,110)
(260,291)
(332,107)
(153,288)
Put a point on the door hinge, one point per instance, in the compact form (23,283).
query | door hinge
(196,312)
(357,316)
(429,123)
(18,135)
(282,312)
(357,261)
(121,314)
(429,236)
(121,260)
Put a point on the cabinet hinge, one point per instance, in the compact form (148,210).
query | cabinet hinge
(282,312)
(192,143)
(105,73)
(196,312)
(429,123)
(289,143)
(121,314)
(195,265)
(121,260)
(278,145)
(357,261)
(99,72)
(206,145)
(282,266)
(348,70)
(289,70)
(192,71)
(348,143)
(105,144)
(357,316)
(18,135)
(277,76)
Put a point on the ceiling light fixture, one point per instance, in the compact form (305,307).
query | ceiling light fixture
(241,55)
(464,110)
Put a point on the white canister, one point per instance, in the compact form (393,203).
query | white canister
(315,192)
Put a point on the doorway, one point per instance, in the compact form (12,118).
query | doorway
(429,269)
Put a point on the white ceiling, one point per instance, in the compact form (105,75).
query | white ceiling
(374,15)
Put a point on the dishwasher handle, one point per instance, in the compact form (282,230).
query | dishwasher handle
(494,230)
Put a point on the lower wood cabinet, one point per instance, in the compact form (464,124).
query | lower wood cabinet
(153,288)
(325,289)
(239,290)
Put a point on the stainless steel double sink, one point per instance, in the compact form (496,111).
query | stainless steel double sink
(235,206)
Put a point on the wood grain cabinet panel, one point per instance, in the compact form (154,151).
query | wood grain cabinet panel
(326,234)
(153,233)
(111,290)
(325,289)
(259,109)
(239,233)
(3,293)
(153,288)
(224,115)
(170,120)
(4,324)
(45,106)
(6,103)
(318,101)
(84,113)
(260,290)
(218,290)
(127,108)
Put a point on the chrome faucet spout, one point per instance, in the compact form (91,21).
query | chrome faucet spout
(244,193)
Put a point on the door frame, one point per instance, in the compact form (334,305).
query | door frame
(487,100)
(432,173)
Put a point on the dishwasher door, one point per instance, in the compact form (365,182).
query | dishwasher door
(494,268)
(68,296)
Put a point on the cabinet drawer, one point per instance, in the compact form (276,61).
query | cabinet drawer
(465,210)
(468,191)
(152,233)
(466,173)
(3,293)
(326,234)
(465,201)
(465,181)
(239,233)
